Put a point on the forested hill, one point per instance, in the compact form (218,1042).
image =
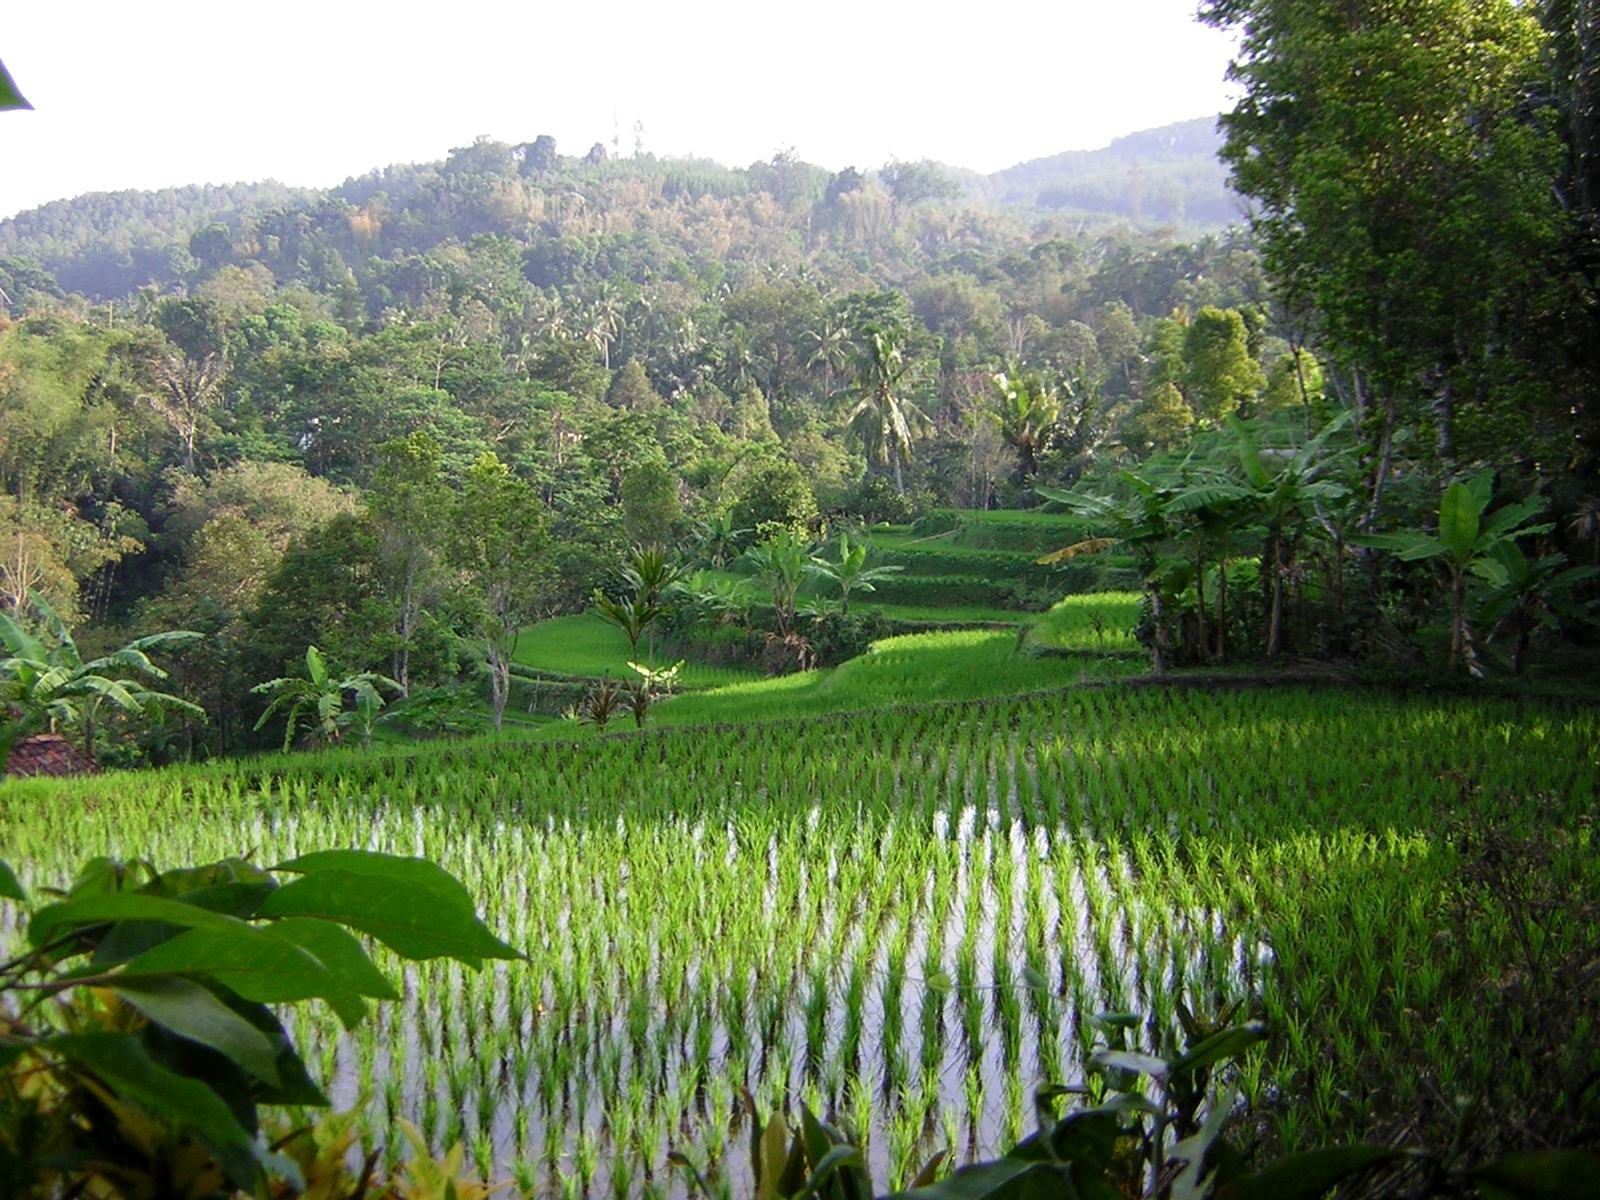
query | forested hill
(1171,174)
(105,245)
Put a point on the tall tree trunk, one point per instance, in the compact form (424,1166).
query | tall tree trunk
(1200,600)
(1381,470)
(1158,642)
(1444,416)
(1222,607)
(1458,618)
(499,685)
(1274,565)
(408,620)
(899,481)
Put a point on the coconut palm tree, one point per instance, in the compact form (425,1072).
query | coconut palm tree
(51,687)
(830,349)
(885,420)
(1028,411)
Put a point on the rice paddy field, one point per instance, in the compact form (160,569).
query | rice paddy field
(584,646)
(905,917)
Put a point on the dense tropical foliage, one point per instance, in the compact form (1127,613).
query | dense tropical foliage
(863,494)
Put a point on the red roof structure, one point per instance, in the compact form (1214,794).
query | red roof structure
(47,754)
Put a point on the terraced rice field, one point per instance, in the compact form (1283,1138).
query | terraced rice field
(584,646)
(904,918)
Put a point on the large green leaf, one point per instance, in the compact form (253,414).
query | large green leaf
(1541,1175)
(123,1065)
(340,952)
(95,909)
(1308,1176)
(191,1011)
(1132,1060)
(259,964)
(1514,516)
(10,886)
(1002,1179)
(1408,546)
(413,906)
(1207,495)
(19,643)
(1225,1043)
(1459,514)
(1249,455)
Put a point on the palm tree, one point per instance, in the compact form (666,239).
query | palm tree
(652,573)
(1028,411)
(851,571)
(53,688)
(319,699)
(188,388)
(885,421)
(655,576)
(631,614)
(830,349)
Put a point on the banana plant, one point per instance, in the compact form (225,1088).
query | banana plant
(1283,495)
(166,1032)
(1468,542)
(719,538)
(780,562)
(851,572)
(718,601)
(1028,411)
(49,686)
(1145,522)
(1527,595)
(319,701)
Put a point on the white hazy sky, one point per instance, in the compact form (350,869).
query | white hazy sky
(166,92)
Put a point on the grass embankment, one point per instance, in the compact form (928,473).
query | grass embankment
(911,669)
(586,647)
(1094,623)
(1082,637)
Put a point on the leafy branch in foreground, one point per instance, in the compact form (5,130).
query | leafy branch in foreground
(10,97)
(138,1043)
(1147,1125)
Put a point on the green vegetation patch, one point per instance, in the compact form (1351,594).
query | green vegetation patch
(1098,622)
(961,664)
(585,646)
(733,903)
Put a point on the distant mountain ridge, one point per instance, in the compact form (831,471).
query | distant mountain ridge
(108,244)
(1168,174)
